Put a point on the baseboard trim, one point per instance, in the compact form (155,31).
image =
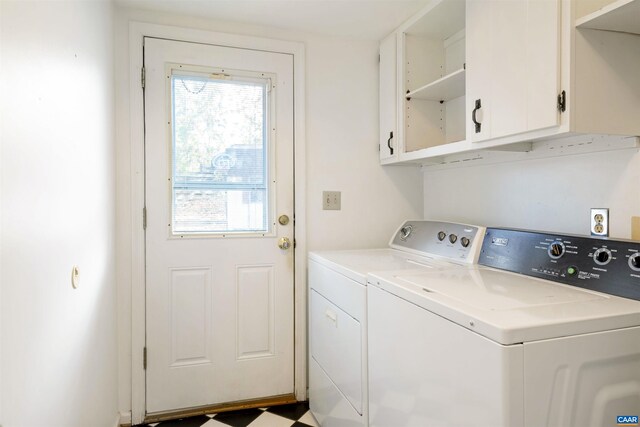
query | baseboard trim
(124,419)
(224,407)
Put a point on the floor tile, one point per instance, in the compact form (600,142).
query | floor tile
(267,419)
(292,415)
(185,422)
(293,411)
(240,418)
(214,423)
(309,420)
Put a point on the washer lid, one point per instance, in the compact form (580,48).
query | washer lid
(510,308)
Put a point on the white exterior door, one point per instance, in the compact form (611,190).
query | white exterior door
(218,175)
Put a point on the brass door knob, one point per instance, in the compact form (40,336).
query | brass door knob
(284,243)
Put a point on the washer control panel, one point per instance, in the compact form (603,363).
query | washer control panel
(445,239)
(603,265)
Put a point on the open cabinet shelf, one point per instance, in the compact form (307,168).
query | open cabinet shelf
(444,89)
(433,78)
(621,15)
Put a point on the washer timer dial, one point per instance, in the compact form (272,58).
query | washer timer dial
(556,250)
(634,261)
(602,256)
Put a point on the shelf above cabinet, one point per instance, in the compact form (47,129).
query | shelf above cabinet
(446,88)
(621,15)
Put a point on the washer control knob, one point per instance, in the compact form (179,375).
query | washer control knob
(602,256)
(464,241)
(441,235)
(453,238)
(634,261)
(556,250)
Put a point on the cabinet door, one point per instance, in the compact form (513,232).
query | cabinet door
(513,65)
(479,69)
(388,99)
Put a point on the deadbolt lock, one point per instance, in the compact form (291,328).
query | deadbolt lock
(283,219)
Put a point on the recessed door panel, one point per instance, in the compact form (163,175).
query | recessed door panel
(190,307)
(256,311)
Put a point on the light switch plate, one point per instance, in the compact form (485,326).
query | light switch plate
(331,200)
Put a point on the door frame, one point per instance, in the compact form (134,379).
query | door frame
(137,31)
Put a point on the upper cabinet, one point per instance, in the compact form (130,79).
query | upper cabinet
(487,74)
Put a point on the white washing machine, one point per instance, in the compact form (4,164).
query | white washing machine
(544,331)
(338,393)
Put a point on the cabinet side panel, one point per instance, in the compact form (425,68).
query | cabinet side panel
(607,84)
(586,380)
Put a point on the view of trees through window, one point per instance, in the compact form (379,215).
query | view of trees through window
(219,153)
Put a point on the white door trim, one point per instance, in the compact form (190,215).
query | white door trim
(138,30)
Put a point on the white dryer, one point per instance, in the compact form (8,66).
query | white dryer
(545,331)
(338,394)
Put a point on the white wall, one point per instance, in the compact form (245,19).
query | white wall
(1,233)
(59,345)
(553,194)
(342,150)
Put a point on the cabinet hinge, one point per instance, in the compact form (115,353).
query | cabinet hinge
(144,218)
(144,358)
(562,101)
(142,77)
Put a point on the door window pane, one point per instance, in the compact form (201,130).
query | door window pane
(220,182)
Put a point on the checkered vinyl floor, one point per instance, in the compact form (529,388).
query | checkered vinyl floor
(293,415)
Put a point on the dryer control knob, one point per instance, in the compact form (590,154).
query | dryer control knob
(465,242)
(442,235)
(453,238)
(634,261)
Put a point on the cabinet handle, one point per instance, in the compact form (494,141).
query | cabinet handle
(473,116)
(389,142)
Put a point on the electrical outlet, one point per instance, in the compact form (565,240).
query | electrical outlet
(600,222)
(331,200)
